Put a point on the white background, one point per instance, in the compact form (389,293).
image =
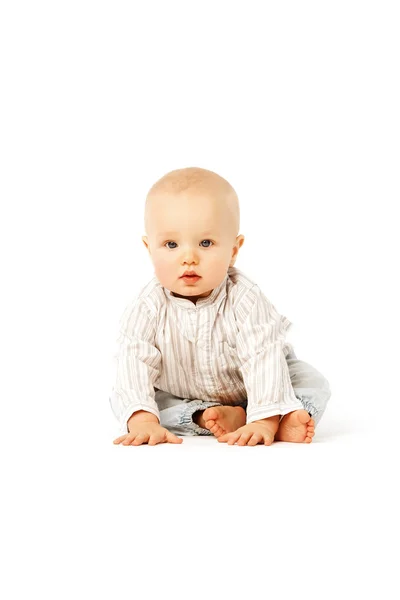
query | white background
(297,105)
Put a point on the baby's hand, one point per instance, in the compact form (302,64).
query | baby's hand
(258,432)
(147,432)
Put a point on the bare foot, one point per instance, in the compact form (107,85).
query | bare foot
(221,419)
(296,426)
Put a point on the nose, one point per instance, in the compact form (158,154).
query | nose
(189,256)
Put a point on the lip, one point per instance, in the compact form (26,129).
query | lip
(189,274)
(190,280)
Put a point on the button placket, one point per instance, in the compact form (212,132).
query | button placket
(193,324)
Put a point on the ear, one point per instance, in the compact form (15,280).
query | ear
(238,244)
(240,241)
(146,243)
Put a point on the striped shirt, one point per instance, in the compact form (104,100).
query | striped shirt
(226,348)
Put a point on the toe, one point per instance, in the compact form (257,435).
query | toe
(304,417)
(210,423)
(214,429)
(210,414)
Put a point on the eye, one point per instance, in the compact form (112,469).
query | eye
(210,243)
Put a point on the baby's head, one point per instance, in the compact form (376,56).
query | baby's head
(185,209)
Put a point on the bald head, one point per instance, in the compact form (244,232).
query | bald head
(195,182)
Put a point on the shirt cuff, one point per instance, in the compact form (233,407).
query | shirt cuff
(132,409)
(264,412)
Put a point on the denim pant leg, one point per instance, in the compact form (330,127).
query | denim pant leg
(310,386)
(176,414)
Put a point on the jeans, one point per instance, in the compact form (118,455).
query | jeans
(310,387)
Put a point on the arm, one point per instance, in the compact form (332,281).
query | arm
(262,349)
(138,364)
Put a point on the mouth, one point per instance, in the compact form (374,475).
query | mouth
(190,278)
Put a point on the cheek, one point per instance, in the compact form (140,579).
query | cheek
(216,262)
(162,267)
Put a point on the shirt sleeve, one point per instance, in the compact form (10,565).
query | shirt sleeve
(262,349)
(138,364)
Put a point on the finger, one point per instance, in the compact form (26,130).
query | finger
(226,437)
(267,440)
(255,439)
(155,439)
(141,438)
(233,438)
(244,438)
(229,435)
(129,439)
(173,439)
(118,440)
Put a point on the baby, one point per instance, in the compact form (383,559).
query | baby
(201,350)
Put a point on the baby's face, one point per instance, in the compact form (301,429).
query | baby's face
(193,231)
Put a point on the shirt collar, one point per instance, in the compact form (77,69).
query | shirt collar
(215,297)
